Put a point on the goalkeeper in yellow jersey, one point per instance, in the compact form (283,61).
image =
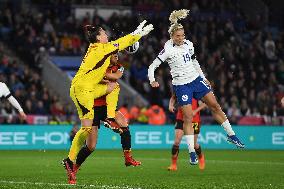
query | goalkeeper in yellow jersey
(86,86)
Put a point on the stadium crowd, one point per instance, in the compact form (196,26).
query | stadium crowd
(27,87)
(242,56)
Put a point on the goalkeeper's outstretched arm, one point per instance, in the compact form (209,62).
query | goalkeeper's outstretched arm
(128,40)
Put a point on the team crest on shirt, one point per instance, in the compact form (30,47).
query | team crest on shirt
(162,52)
(184,98)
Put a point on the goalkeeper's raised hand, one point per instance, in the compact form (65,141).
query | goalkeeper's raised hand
(143,30)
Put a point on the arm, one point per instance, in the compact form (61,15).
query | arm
(151,72)
(128,40)
(163,55)
(200,107)
(16,105)
(121,43)
(114,76)
(172,103)
(198,68)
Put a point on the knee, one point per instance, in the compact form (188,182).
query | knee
(215,107)
(92,146)
(177,142)
(196,146)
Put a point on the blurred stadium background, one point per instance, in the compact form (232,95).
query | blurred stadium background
(239,44)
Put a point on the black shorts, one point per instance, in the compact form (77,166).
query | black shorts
(196,126)
(100,114)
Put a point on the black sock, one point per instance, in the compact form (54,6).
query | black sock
(125,139)
(82,155)
(175,150)
(70,163)
(198,150)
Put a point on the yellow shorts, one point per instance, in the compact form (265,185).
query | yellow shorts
(83,98)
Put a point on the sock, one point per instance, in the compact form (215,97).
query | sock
(190,142)
(227,127)
(175,151)
(125,139)
(111,101)
(83,154)
(198,150)
(78,142)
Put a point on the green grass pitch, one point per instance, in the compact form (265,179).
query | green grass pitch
(105,170)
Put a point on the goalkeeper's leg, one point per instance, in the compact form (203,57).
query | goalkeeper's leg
(87,149)
(111,101)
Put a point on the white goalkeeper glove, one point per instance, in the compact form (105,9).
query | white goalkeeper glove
(141,30)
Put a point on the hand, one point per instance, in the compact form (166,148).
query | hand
(143,31)
(155,84)
(105,80)
(194,112)
(282,102)
(22,115)
(146,30)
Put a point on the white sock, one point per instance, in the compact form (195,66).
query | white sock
(190,142)
(227,127)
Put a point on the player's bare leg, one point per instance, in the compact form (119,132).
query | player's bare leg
(201,157)
(189,132)
(175,149)
(217,113)
(126,140)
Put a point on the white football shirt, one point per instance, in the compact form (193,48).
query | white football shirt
(181,59)
(4,90)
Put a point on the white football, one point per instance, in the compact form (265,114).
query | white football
(133,48)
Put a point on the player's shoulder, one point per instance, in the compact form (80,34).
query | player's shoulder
(3,84)
(169,44)
(188,43)
(167,47)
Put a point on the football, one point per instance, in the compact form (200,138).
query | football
(133,48)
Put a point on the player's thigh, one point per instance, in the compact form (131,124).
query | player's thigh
(187,112)
(83,100)
(99,90)
(100,114)
(121,120)
(200,89)
(183,93)
(210,100)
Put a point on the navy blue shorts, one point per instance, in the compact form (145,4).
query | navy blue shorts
(198,88)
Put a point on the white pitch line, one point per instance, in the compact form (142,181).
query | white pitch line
(209,161)
(68,185)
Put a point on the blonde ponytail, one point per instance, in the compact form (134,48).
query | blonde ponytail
(174,17)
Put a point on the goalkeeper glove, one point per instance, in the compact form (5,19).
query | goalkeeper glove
(141,30)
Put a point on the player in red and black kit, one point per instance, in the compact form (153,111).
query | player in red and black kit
(196,124)
(114,72)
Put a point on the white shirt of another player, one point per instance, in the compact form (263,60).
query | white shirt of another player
(5,92)
(183,65)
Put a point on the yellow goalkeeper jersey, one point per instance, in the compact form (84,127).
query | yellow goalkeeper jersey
(97,59)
